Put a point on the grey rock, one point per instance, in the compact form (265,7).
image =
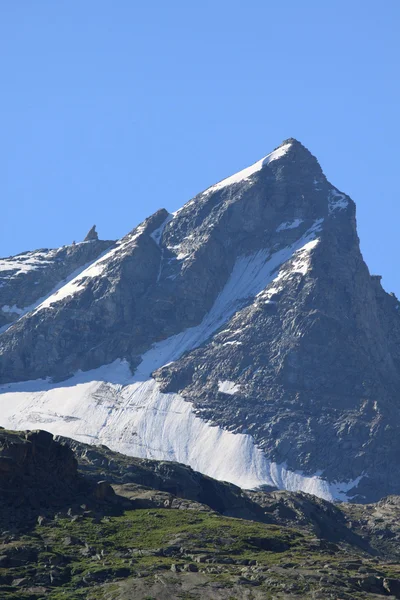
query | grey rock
(174,479)
(27,278)
(91,235)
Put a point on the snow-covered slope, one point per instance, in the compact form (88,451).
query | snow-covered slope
(28,279)
(242,335)
(130,414)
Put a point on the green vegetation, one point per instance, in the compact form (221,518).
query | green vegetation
(84,556)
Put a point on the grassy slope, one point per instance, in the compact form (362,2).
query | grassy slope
(73,557)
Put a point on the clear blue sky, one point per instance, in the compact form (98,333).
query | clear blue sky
(111,110)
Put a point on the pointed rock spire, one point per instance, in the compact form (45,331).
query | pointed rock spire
(91,235)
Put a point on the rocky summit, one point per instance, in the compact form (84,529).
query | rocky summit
(242,335)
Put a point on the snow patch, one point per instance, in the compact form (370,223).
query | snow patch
(157,233)
(70,286)
(336,201)
(26,262)
(130,415)
(29,261)
(228,387)
(289,225)
(299,264)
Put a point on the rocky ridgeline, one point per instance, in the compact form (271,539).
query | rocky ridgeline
(169,477)
(27,278)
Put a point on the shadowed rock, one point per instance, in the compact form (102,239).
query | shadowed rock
(91,235)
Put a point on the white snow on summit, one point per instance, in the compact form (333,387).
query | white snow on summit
(245,174)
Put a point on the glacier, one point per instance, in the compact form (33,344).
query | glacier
(111,406)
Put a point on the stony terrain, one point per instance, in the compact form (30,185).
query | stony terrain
(67,536)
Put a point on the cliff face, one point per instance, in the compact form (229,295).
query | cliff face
(35,470)
(243,335)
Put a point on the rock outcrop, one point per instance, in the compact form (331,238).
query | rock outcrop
(92,235)
(28,278)
(35,470)
(97,462)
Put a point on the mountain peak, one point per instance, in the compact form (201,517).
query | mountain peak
(242,334)
(298,147)
(290,149)
(247,172)
(291,140)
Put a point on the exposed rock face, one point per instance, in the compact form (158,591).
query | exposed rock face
(29,277)
(35,470)
(280,331)
(173,478)
(97,320)
(91,235)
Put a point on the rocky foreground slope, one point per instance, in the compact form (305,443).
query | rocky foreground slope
(160,530)
(242,335)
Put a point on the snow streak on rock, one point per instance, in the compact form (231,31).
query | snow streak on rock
(250,275)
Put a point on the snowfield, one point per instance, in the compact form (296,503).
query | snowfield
(110,406)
